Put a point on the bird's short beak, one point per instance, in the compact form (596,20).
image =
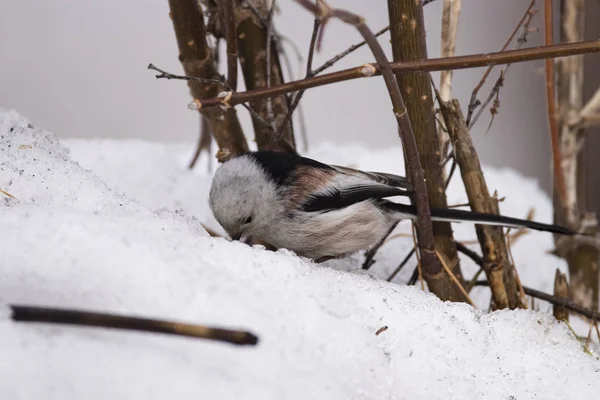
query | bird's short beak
(242,238)
(247,240)
(237,236)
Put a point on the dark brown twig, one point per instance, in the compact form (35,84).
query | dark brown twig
(309,73)
(433,64)
(268,45)
(521,40)
(401,265)
(497,266)
(561,291)
(414,277)
(559,177)
(407,33)
(370,254)
(198,59)
(104,320)
(204,141)
(586,312)
(531,292)
(431,265)
(473,102)
(223,82)
(231,38)
(329,63)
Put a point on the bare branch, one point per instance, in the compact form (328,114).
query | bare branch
(586,312)
(561,291)
(592,107)
(450,19)
(434,64)
(473,102)
(494,93)
(431,264)
(23,313)
(309,73)
(497,266)
(559,178)
(204,141)
(402,264)
(231,37)
(197,59)
(407,32)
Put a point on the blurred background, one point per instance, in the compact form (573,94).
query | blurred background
(78,68)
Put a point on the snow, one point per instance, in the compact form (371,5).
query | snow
(116,226)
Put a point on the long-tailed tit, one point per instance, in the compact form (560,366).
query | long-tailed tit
(321,211)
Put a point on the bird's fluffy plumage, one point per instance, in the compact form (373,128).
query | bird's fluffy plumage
(319,211)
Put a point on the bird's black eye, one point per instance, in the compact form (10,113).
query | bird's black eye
(248,220)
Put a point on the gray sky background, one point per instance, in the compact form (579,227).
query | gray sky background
(78,68)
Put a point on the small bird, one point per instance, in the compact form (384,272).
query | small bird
(321,211)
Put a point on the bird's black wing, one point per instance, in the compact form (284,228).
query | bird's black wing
(380,177)
(350,186)
(318,187)
(337,198)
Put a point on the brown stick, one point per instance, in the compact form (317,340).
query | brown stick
(561,291)
(434,64)
(534,293)
(204,141)
(197,60)
(261,69)
(450,19)
(569,305)
(309,73)
(231,37)
(430,262)
(559,179)
(407,31)
(473,101)
(581,255)
(495,92)
(104,320)
(497,267)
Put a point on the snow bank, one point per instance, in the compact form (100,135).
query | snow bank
(72,240)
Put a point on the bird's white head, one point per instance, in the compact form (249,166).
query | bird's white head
(243,198)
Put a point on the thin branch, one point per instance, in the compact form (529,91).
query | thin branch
(470,253)
(231,37)
(23,313)
(418,254)
(450,19)
(434,64)
(592,106)
(414,277)
(559,177)
(498,269)
(521,40)
(7,194)
(370,254)
(586,312)
(197,105)
(329,63)
(473,102)
(198,59)
(531,292)
(402,264)
(204,142)
(431,265)
(167,75)
(454,279)
(309,73)
(270,115)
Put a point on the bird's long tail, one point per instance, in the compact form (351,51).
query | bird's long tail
(454,215)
